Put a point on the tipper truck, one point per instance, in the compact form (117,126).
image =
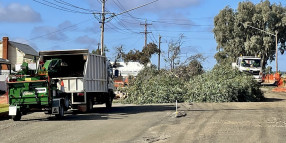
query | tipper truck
(67,79)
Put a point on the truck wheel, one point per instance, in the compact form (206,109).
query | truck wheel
(66,103)
(61,112)
(109,102)
(18,116)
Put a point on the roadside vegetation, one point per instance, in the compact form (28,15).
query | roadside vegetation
(248,30)
(222,84)
(187,81)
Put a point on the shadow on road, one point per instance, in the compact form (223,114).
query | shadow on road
(210,110)
(273,100)
(119,112)
(101,113)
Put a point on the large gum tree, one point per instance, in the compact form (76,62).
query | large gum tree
(235,35)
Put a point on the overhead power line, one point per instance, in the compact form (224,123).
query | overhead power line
(120,6)
(59,7)
(104,18)
(164,30)
(132,9)
(71,5)
(60,30)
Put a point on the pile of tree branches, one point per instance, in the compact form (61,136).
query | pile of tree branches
(153,86)
(222,84)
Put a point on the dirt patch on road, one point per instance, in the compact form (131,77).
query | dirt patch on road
(225,122)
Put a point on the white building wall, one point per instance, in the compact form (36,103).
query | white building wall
(15,56)
(1,49)
(129,68)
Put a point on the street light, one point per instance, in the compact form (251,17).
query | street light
(276,41)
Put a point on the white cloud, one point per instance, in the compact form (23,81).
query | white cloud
(94,28)
(86,40)
(48,32)
(53,33)
(15,12)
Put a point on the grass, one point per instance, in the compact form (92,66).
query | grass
(4,108)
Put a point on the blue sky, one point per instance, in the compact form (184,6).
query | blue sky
(47,28)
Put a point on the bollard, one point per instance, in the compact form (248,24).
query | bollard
(176,108)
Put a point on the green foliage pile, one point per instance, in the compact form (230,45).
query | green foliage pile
(222,84)
(152,86)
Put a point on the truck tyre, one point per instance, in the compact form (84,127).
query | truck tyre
(61,112)
(66,103)
(18,116)
(109,102)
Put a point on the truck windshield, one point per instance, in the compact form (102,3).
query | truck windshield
(251,63)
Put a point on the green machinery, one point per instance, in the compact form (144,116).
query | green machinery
(35,90)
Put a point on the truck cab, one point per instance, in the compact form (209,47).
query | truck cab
(251,65)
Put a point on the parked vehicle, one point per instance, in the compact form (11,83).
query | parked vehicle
(251,65)
(68,79)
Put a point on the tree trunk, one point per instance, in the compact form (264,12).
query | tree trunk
(263,61)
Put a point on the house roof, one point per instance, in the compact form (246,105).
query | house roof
(25,48)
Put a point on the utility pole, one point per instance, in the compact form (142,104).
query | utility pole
(102,19)
(102,26)
(276,44)
(146,31)
(159,54)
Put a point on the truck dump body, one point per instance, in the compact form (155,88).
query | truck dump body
(81,71)
(96,74)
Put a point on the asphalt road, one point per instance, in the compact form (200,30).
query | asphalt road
(204,122)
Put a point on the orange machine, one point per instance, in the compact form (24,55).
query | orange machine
(120,82)
(275,79)
(271,79)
